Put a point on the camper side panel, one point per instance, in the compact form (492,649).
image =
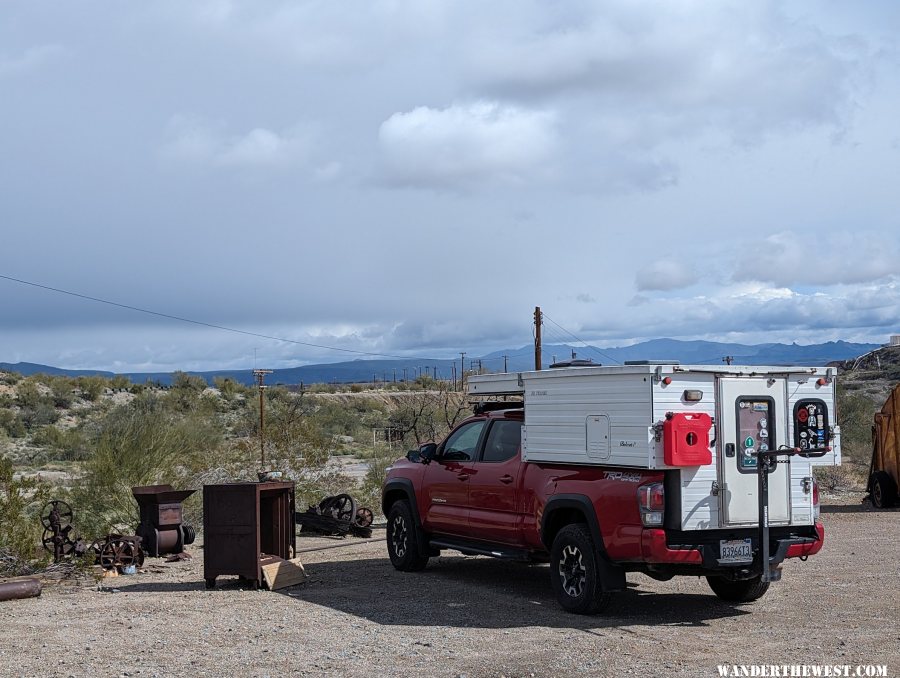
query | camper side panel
(699,507)
(578,418)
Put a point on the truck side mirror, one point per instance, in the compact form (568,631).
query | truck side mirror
(427,452)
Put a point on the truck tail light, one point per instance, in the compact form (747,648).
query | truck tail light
(815,500)
(652,502)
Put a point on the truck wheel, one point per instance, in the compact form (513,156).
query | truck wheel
(743,591)
(884,490)
(575,571)
(403,539)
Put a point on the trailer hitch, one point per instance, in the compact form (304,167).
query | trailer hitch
(767,461)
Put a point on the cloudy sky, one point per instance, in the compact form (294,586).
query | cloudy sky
(412,177)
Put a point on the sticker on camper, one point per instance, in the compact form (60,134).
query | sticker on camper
(760,407)
(763,423)
(802,416)
(749,441)
(764,433)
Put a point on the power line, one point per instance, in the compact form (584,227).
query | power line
(210,325)
(586,345)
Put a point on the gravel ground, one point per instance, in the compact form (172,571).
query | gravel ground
(473,616)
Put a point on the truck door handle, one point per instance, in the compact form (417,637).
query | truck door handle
(506,479)
(729,449)
(463,476)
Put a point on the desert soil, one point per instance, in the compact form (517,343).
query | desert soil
(472,616)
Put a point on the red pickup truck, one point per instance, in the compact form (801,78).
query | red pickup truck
(473,493)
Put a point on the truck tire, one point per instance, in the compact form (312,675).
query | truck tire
(742,591)
(575,571)
(403,539)
(884,490)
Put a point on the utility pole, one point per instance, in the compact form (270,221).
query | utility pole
(462,370)
(405,378)
(260,378)
(395,375)
(728,359)
(505,361)
(453,374)
(538,319)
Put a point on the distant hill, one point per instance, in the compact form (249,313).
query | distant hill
(516,360)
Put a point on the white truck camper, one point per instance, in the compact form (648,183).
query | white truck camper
(742,440)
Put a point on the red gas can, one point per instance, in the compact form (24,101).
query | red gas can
(686,439)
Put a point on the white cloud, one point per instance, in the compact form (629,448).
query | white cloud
(457,147)
(819,258)
(665,274)
(194,141)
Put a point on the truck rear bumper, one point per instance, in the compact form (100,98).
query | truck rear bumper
(660,548)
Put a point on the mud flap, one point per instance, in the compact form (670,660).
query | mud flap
(612,576)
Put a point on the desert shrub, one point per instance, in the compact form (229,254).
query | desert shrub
(61,389)
(28,394)
(833,478)
(227,387)
(63,444)
(141,443)
(39,415)
(186,394)
(855,415)
(21,500)
(120,382)
(10,378)
(91,387)
(11,422)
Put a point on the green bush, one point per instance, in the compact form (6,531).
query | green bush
(39,415)
(141,443)
(66,444)
(21,500)
(91,387)
(855,415)
(11,422)
(62,391)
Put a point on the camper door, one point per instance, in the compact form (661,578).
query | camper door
(753,418)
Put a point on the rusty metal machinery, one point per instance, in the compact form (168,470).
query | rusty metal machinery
(114,551)
(119,551)
(162,528)
(337,515)
(59,534)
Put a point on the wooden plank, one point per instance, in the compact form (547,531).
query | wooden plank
(284,573)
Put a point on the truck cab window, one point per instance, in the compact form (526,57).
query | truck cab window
(503,441)
(462,443)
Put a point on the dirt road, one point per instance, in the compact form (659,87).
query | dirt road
(357,616)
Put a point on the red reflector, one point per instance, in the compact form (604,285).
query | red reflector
(821,381)
(667,380)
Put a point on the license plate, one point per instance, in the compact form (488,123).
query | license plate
(735,551)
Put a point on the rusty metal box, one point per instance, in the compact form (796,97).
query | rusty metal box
(243,521)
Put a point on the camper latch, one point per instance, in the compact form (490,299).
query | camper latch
(807,484)
(657,429)
(716,488)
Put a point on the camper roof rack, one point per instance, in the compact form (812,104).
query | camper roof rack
(494,406)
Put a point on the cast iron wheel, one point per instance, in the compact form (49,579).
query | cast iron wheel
(884,490)
(743,591)
(62,508)
(403,539)
(67,546)
(118,553)
(341,506)
(575,571)
(364,517)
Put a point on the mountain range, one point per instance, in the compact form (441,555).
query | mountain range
(514,360)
